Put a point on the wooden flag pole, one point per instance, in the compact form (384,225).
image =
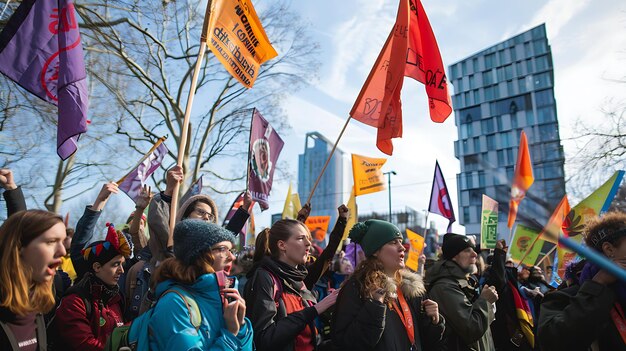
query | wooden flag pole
(308,201)
(183,138)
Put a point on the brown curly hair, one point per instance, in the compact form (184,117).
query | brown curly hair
(609,228)
(370,275)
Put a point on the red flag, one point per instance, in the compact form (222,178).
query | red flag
(440,202)
(522,180)
(410,50)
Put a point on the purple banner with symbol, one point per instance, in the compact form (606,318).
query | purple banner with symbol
(265,146)
(40,50)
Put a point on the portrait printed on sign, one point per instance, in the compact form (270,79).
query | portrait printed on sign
(265,147)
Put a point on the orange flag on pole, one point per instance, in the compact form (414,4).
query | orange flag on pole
(410,50)
(557,222)
(522,180)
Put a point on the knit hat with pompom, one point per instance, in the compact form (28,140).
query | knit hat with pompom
(373,234)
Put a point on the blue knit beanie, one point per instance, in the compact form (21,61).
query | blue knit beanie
(192,237)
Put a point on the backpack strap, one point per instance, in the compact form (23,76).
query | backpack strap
(195,316)
(278,287)
(10,335)
(42,340)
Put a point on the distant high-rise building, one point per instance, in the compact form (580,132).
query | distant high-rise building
(499,92)
(329,193)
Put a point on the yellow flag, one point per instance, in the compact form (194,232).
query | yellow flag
(417,246)
(292,205)
(368,176)
(352,219)
(234,33)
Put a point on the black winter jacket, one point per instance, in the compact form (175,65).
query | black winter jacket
(363,324)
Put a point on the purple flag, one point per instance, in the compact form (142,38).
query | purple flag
(131,183)
(265,146)
(194,189)
(440,202)
(40,50)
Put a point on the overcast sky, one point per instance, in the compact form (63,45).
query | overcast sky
(588,41)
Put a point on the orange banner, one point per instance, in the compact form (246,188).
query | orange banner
(236,37)
(522,180)
(411,50)
(368,175)
(318,226)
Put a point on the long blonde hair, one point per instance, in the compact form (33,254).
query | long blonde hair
(18,292)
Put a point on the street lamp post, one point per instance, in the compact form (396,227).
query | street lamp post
(388,174)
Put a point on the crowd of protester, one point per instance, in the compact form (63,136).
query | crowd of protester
(111,288)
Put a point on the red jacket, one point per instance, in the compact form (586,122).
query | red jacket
(77,331)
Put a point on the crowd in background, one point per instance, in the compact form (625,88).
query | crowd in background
(92,288)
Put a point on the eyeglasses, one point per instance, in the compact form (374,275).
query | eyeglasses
(203,213)
(223,249)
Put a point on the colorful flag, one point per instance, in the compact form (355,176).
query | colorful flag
(440,202)
(524,314)
(415,250)
(318,226)
(234,33)
(132,182)
(40,50)
(489,223)
(194,189)
(410,50)
(265,146)
(292,205)
(592,206)
(521,243)
(522,179)
(368,175)
(554,228)
(352,218)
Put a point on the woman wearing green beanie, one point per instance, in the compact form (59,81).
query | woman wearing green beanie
(383,306)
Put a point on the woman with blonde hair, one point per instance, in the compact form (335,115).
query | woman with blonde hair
(31,247)
(383,306)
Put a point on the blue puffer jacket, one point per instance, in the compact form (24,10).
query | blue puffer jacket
(171,328)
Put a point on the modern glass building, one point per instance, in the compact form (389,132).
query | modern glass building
(329,193)
(499,92)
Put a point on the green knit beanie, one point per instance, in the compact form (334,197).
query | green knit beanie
(373,234)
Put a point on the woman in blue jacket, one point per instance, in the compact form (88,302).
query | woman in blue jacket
(188,284)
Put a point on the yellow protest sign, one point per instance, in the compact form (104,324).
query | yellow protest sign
(236,37)
(417,246)
(368,176)
(521,243)
(318,226)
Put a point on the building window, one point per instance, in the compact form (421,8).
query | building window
(464,68)
(466,214)
(475,197)
(501,160)
(544,98)
(530,118)
(546,115)
(491,142)
(514,123)
(527,49)
(542,63)
(542,80)
(513,54)
(518,68)
(471,163)
(510,89)
(508,72)
(522,85)
(469,180)
(472,83)
(475,64)
(509,155)
(476,95)
(490,61)
(476,144)
(503,59)
(468,98)
(505,140)
(459,85)
(453,72)
(548,132)
(490,92)
(481,179)
(499,126)
(487,78)
(487,126)
(540,47)
(529,66)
